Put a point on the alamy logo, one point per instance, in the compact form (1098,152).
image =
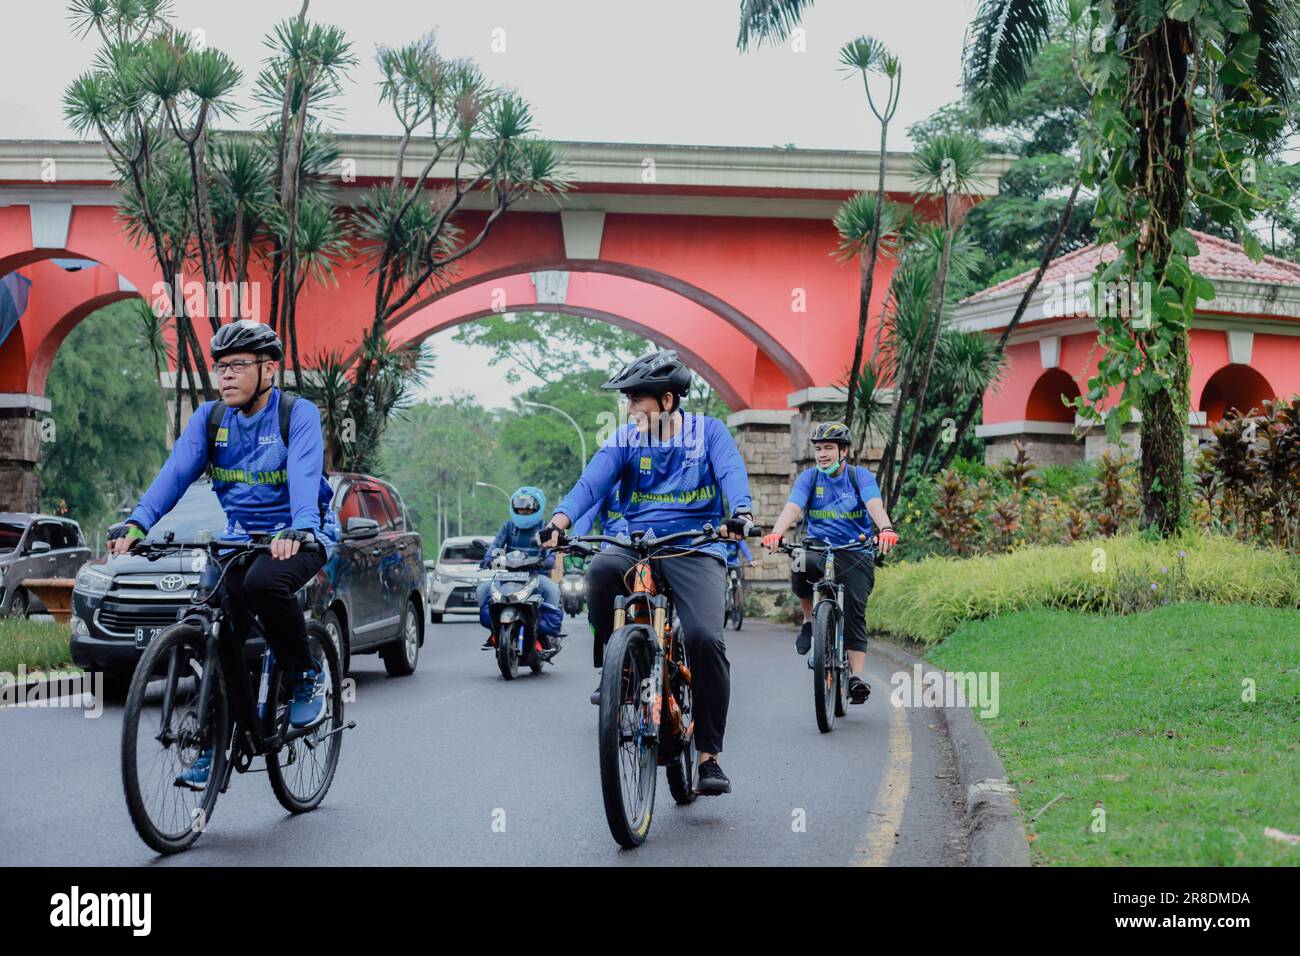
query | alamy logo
(103,909)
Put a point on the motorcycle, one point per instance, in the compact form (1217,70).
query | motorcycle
(573,590)
(525,629)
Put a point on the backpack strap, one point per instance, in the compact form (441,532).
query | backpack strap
(216,415)
(286,408)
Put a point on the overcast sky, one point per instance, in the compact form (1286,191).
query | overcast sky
(596,70)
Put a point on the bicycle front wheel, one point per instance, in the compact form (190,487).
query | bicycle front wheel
(302,770)
(823,649)
(162,740)
(628,750)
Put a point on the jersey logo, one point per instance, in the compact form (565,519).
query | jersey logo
(645,463)
(223,434)
(820,491)
(269,440)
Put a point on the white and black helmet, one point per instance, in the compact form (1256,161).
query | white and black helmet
(653,374)
(246,335)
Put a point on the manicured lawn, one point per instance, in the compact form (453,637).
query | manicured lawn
(1142,716)
(34,644)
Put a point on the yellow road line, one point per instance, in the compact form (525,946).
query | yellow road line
(895,784)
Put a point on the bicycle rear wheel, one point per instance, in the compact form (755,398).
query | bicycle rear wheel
(823,649)
(738,602)
(628,752)
(161,738)
(302,770)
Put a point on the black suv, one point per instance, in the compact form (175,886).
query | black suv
(368,595)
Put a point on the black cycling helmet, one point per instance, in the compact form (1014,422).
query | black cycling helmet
(246,335)
(652,374)
(837,432)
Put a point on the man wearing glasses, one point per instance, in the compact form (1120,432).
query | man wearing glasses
(265,485)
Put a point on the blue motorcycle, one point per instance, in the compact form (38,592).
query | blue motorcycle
(525,628)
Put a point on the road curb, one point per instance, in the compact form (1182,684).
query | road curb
(49,686)
(995,831)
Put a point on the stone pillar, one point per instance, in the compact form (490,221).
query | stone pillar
(763,437)
(824,404)
(20,450)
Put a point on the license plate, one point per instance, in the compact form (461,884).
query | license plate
(513,576)
(143,635)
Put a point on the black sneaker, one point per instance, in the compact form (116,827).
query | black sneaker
(859,690)
(595,696)
(489,643)
(710,781)
(803,643)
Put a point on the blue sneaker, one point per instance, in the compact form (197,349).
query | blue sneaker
(196,777)
(308,707)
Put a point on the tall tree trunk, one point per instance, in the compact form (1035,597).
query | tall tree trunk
(937,295)
(1158,81)
(867,280)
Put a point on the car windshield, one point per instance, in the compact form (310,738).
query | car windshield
(468,553)
(197,510)
(10,533)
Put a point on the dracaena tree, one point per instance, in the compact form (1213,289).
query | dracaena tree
(411,229)
(1188,99)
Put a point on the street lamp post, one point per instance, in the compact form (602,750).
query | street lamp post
(582,439)
(488,484)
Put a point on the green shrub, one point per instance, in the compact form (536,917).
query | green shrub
(927,600)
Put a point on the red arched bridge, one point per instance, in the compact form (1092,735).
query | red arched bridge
(726,254)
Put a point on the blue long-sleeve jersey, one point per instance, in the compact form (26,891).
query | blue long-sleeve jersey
(510,538)
(610,513)
(668,485)
(262,485)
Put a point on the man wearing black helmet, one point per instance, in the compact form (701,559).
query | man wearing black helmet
(264,486)
(672,470)
(841,502)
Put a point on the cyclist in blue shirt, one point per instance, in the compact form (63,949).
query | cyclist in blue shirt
(263,486)
(518,533)
(840,502)
(674,469)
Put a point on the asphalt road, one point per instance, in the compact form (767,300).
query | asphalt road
(456,766)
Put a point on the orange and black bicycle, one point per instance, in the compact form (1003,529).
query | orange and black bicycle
(646,704)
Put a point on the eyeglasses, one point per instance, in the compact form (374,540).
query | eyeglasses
(238,366)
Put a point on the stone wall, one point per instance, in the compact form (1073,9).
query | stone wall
(765,448)
(1043,449)
(20,453)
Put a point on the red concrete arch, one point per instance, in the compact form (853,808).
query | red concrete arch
(744,360)
(692,358)
(1044,403)
(49,347)
(1234,386)
(58,300)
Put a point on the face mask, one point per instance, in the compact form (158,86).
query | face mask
(829,470)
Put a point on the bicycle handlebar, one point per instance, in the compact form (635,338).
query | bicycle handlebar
(156,549)
(871,542)
(642,544)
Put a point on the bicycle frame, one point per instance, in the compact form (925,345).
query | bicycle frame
(646,605)
(251,734)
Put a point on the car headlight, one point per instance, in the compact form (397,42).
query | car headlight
(579,585)
(567,585)
(90,581)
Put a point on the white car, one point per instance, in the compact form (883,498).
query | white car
(451,582)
